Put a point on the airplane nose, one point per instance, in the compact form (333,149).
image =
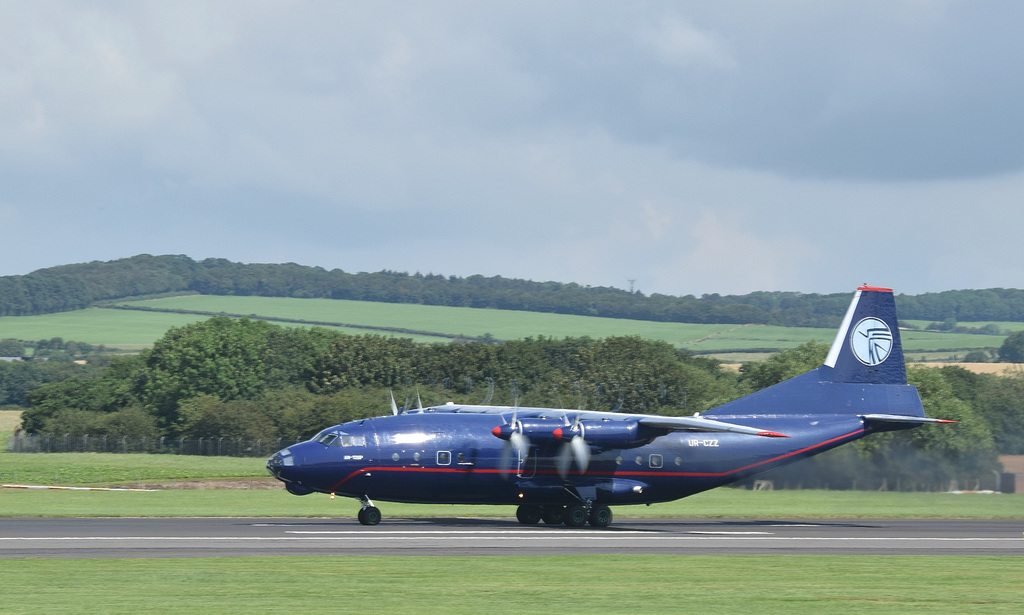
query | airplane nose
(279,460)
(274,465)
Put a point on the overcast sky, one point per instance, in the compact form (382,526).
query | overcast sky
(695,147)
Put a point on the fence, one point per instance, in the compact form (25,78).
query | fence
(218,446)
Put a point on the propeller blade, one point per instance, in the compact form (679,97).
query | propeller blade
(505,462)
(514,440)
(521,443)
(394,406)
(580,452)
(564,460)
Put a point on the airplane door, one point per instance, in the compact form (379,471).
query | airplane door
(527,465)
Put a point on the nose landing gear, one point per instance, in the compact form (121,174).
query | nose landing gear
(368,514)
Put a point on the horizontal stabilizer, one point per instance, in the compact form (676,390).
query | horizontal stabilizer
(686,423)
(900,418)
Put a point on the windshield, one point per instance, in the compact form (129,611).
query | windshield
(339,438)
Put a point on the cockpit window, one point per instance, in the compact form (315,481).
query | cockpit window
(339,438)
(325,438)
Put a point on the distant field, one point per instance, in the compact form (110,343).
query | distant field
(9,420)
(1002,324)
(925,341)
(980,368)
(129,330)
(507,324)
(448,321)
(133,330)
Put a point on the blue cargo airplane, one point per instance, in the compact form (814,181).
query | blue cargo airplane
(566,466)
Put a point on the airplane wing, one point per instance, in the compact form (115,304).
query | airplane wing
(667,423)
(688,423)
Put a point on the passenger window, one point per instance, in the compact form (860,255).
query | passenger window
(657,461)
(444,458)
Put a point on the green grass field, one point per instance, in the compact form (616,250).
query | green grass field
(112,328)
(522,585)
(448,321)
(111,470)
(132,330)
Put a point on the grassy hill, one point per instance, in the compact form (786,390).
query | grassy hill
(146,320)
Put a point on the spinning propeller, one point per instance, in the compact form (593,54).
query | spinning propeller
(576,449)
(512,434)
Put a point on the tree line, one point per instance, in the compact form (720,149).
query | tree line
(241,378)
(77,286)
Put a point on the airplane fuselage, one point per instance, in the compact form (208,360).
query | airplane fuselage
(442,456)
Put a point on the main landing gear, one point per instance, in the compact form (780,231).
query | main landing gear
(574,515)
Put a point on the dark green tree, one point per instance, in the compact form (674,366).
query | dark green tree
(206,415)
(1012,350)
(11,348)
(783,365)
(1000,401)
(222,357)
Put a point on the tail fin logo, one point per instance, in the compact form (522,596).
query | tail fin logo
(871,341)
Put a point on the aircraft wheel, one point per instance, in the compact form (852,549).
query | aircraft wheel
(528,514)
(600,516)
(553,515)
(575,516)
(369,515)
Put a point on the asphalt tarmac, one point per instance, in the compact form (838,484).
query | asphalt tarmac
(234,537)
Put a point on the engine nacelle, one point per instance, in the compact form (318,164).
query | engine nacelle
(607,434)
(538,432)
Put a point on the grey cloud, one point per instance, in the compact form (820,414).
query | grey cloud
(592,142)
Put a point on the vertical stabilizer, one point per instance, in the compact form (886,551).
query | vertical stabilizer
(867,347)
(863,372)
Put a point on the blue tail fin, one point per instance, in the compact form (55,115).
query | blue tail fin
(867,347)
(863,373)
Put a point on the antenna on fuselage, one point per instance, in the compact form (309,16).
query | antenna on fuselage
(490,391)
(622,399)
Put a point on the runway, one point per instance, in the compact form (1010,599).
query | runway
(233,537)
